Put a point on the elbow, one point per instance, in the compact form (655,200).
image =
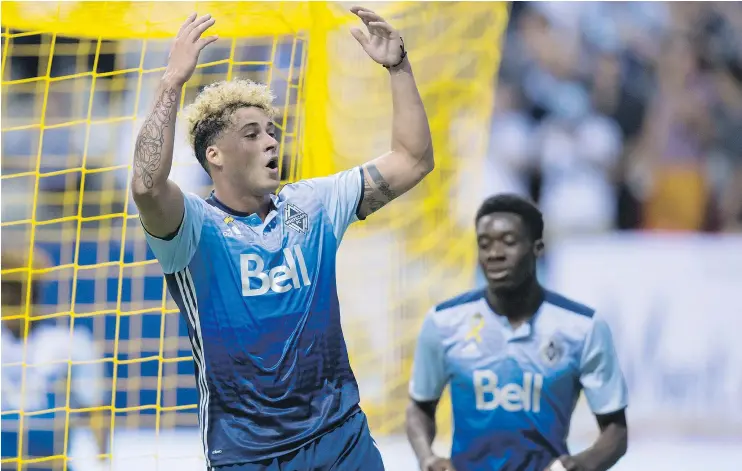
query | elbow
(425,161)
(143,191)
(418,152)
(429,159)
(139,190)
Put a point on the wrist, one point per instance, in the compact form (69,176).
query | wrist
(427,460)
(169,81)
(403,66)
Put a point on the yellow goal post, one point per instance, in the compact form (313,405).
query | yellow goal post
(77,80)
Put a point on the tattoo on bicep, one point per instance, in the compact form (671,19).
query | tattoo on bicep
(374,204)
(148,150)
(380,183)
(376,198)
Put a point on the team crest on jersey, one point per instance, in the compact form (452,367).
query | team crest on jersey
(295,218)
(551,352)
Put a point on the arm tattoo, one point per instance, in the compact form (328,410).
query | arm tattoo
(377,197)
(374,203)
(148,150)
(381,184)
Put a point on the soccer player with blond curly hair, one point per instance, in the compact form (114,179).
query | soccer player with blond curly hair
(253,271)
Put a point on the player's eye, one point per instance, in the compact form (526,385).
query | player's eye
(251,136)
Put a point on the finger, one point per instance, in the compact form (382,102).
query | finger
(187,22)
(383,27)
(360,37)
(199,30)
(203,42)
(368,15)
(196,24)
(357,9)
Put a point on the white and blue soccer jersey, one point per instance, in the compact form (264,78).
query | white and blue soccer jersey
(513,392)
(40,390)
(260,300)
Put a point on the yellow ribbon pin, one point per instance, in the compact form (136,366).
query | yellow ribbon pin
(476,328)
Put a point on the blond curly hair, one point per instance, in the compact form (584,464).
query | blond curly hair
(210,112)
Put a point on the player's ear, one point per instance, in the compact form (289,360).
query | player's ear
(538,248)
(214,156)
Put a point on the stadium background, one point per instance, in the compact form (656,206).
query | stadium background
(622,120)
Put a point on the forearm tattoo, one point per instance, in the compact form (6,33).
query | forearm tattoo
(148,151)
(377,197)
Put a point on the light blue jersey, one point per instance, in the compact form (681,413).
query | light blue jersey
(261,304)
(513,391)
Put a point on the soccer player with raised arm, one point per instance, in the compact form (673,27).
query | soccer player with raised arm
(516,357)
(253,272)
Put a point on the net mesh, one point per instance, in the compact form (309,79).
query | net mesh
(77,82)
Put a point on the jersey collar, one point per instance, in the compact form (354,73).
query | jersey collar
(524,330)
(252,219)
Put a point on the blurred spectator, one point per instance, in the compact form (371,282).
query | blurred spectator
(622,115)
(37,377)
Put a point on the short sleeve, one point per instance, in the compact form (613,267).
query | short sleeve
(175,253)
(341,195)
(429,376)
(88,371)
(600,373)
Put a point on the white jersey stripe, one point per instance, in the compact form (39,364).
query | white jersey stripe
(189,297)
(192,292)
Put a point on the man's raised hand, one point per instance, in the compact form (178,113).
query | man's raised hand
(187,46)
(383,43)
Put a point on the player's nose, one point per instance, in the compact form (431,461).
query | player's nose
(271,143)
(496,255)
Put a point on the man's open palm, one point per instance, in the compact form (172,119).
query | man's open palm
(383,43)
(187,46)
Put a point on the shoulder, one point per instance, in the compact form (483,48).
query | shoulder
(202,205)
(194,199)
(301,195)
(566,314)
(298,188)
(568,306)
(318,186)
(451,313)
(460,301)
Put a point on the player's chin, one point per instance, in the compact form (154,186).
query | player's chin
(272,180)
(501,283)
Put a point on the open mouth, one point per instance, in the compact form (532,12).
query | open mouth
(273,163)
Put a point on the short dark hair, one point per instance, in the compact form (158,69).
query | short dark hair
(514,204)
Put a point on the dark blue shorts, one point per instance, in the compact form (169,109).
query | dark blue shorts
(348,447)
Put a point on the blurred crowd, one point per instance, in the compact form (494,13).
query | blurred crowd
(622,115)
(611,115)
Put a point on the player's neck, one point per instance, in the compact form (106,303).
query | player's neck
(519,304)
(244,203)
